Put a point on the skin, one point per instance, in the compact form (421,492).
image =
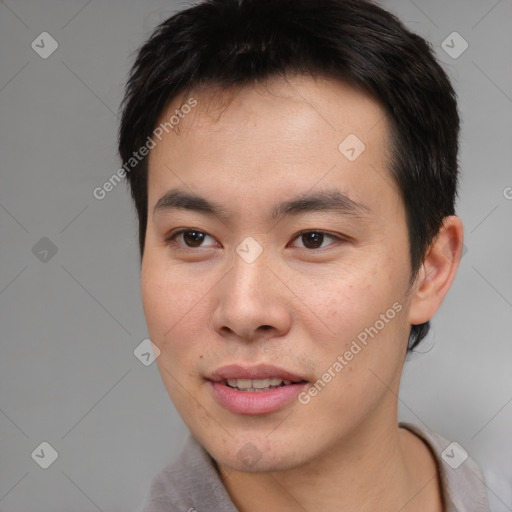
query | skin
(296,306)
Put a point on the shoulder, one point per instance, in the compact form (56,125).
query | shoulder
(462,481)
(188,484)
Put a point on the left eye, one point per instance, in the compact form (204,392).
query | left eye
(314,239)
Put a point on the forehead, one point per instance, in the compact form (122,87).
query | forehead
(284,136)
(293,105)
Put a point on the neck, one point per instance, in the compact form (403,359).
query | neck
(374,468)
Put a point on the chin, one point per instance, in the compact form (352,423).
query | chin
(255,455)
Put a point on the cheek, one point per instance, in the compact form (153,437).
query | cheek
(340,302)
(157,300)
(172,309)
(362,313)
(172,306)
(359,364)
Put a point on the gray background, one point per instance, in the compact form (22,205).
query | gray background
(70,321)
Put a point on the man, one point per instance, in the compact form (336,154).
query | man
(294,168)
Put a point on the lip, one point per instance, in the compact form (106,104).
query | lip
(261,371)
(254,402)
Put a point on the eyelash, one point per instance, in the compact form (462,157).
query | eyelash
(171,239)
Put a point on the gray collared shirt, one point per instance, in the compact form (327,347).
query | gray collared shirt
(192,483)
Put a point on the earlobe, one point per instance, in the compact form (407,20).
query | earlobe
(437,271)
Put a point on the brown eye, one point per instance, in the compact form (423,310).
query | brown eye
(193,238)
(188,238)
(313,240)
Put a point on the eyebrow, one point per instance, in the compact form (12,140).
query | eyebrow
(326,201)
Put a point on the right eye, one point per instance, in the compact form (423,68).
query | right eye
(188,238)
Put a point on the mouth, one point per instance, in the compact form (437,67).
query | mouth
(254,390)
(258,385)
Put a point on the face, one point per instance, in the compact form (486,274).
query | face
(277,247)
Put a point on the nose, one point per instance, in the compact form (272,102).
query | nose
(251,302)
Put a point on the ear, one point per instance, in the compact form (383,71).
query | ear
(437,271)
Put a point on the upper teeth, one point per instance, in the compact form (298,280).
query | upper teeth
(256,383)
